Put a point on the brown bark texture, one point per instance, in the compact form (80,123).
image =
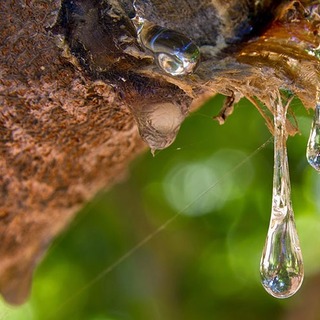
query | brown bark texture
(75,80)
(63,137)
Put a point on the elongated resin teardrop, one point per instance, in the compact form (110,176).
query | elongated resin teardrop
(175,53)
(313,147)
(281,266)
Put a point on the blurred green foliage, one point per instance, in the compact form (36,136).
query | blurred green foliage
(211,198)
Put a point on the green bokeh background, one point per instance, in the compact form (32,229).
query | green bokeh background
(200,259)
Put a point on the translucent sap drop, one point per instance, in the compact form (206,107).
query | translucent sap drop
(281,266)
(313,147)
(175,53)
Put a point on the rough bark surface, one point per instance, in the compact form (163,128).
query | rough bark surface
(73,83)
(63,137)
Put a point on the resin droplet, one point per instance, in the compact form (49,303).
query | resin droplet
(281,266)
(175,53)
(313,147)
(159,124)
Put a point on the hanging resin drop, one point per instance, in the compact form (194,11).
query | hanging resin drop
(313,147)
(159,124)
(175,53)
(281,266)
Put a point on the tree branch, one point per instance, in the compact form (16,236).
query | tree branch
(75,82)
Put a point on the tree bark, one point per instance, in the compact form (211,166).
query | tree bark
(63,137)
(75,82)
